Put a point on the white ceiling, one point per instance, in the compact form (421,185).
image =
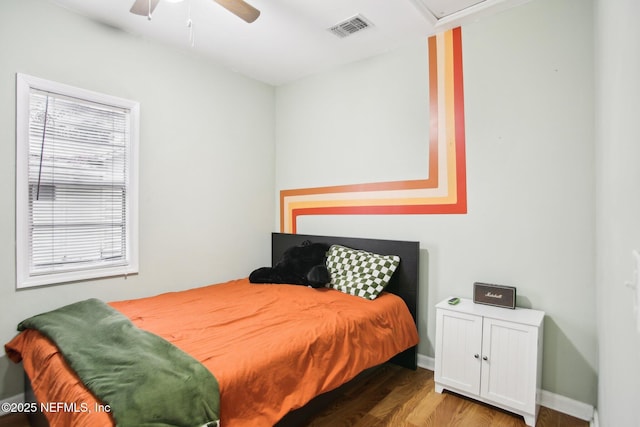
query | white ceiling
(290,38)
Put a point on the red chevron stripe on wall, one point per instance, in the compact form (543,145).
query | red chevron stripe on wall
(443,191)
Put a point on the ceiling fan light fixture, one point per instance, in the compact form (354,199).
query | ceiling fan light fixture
(240,8)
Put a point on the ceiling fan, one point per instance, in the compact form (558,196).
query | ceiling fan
(239,8)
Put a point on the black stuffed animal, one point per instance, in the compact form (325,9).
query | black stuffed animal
(299,265)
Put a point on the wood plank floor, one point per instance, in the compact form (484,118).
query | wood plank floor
(391,396)
(396,397)
(14,420)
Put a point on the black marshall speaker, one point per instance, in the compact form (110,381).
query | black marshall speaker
(501,296)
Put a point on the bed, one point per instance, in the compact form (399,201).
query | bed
(249,337)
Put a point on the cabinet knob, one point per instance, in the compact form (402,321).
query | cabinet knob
(476,355)
(485,358)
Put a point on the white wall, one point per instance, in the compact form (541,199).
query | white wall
(618,213)
(528,78)
(206,158)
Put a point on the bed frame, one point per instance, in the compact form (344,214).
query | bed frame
(404,283)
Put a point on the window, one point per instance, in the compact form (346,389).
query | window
(76,184)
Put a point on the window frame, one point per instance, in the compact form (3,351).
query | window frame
(24,278)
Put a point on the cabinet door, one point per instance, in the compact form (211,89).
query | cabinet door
(509,364)
(458,348)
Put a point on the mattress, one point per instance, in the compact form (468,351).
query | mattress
(271,347)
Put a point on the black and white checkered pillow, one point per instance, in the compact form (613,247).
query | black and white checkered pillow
(360,273)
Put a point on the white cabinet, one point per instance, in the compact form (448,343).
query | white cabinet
(491,354)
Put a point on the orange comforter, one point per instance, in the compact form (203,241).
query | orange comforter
(271,347)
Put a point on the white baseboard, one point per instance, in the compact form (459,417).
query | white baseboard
(548,399)
(566,405)
(18,398)
(426,362)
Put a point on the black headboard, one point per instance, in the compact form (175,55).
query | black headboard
(404,282)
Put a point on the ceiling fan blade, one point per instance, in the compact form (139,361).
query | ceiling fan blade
(241,9)
(144,7)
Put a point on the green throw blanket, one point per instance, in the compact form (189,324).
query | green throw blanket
(146,381)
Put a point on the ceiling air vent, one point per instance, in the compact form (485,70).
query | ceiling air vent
(350,26)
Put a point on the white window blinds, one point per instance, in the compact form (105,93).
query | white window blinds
(78,216)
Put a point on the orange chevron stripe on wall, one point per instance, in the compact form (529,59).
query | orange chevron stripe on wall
(443,191)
